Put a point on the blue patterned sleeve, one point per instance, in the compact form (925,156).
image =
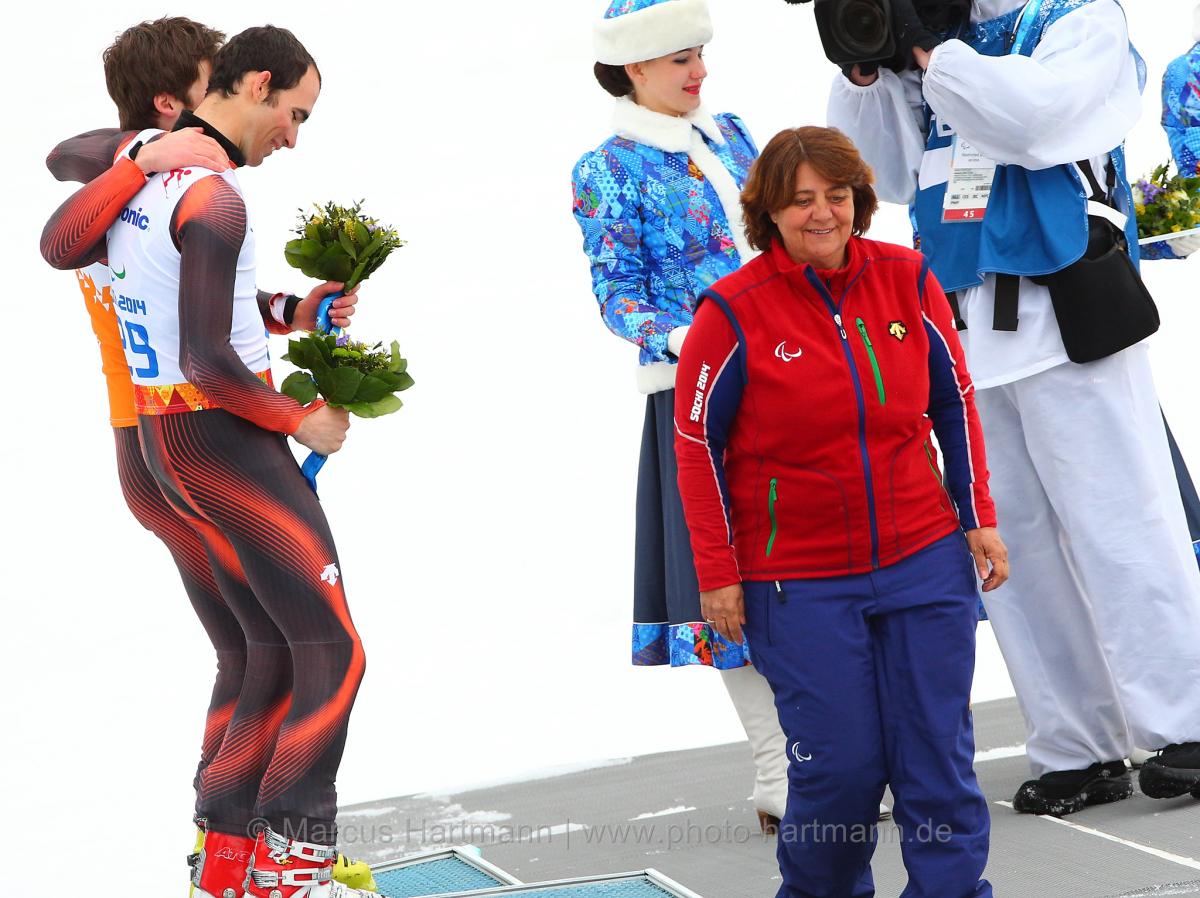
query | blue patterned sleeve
(1181,86)
(1179,98)
(607,207)
(744,132)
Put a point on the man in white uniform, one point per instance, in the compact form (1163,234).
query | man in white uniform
(1100,626)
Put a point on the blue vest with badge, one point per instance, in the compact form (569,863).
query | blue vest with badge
(1036,221)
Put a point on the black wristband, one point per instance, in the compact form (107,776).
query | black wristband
(289,308)
(134,150)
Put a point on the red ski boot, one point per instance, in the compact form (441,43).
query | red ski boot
(286,868)
(220,869)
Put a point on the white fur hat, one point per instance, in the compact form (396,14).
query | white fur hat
(637,30)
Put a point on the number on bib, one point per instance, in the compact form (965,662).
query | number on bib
(139,343)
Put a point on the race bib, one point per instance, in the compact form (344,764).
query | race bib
(970,187)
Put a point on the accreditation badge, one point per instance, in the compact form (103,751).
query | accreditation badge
(970,186)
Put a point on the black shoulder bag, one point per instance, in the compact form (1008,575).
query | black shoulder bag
(1100,302)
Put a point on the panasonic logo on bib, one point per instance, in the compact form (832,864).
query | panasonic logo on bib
(137,219)
(701,386)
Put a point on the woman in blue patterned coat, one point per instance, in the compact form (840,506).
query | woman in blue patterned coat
(1181,121)
(659,207)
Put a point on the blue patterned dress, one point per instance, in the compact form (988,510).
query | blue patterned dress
(657,232)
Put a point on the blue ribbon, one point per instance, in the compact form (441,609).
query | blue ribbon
(315,461)
(324,325)
(1025,24)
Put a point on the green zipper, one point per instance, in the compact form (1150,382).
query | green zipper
(862,330)
(932,466)
(771,507)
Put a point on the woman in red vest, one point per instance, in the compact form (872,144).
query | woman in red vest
(807,392)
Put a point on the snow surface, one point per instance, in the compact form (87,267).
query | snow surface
(486,530)
(666,812)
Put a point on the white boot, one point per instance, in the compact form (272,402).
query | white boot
(755,706)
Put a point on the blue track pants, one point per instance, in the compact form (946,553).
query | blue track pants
(872,679)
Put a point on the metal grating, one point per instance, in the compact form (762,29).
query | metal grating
(438,873)
(647,884)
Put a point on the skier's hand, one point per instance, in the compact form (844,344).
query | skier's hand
(991,556)
(305,318)
(725,609)
(324,430)
(179,149)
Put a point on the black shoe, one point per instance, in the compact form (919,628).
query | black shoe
(1174,772)
(1067,791)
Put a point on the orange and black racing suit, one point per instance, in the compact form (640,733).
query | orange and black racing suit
(226,469)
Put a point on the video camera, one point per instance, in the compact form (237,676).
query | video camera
(869,31)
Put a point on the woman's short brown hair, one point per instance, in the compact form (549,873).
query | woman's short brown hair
(159,57)
(771,185)
(614,79)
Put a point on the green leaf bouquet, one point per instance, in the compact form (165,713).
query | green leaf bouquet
(337,243)
(364,379)
(1166,205)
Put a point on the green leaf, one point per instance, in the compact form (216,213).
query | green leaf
(311,270)
(325,346)
(385,406)
(372,389)
(312,249)
(397,363)
(339,384)
(297,353)
(317,362)
(362,237)
(347,244)
(312,231)
(373,246)
(341,270)
(328,256)
(356,275)
(300,387)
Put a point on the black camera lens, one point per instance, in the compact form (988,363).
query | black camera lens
(856,31)
(861,26)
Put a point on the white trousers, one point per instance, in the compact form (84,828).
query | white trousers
(755,705)
(1100,622)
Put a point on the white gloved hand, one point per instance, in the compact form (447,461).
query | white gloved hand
(1185,246)
(677,335)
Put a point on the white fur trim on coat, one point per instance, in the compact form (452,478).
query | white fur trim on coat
(652,32)
(671,133)
(682,134)
(656,377)
(675,340)
(727,192)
